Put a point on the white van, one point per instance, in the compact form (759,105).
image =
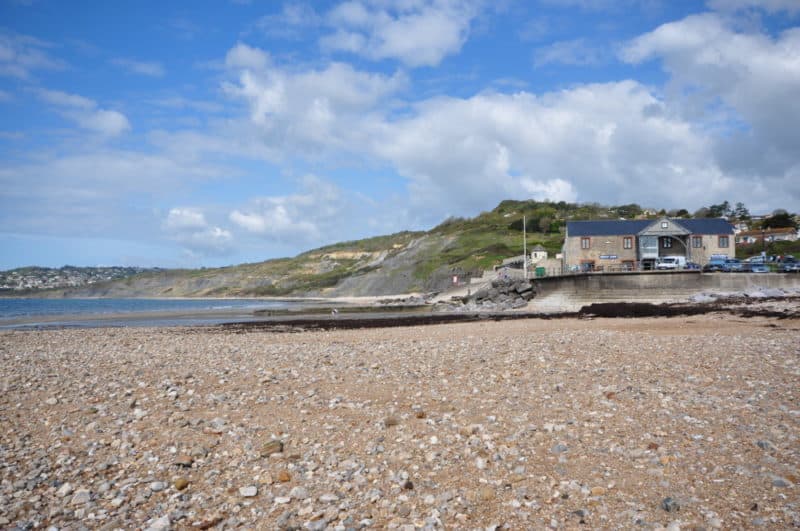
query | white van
(671,262)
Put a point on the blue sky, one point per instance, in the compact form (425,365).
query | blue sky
(210,133)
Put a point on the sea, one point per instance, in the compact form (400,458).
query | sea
(38,313)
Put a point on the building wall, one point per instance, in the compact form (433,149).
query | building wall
(710,247)
(613,245)
(599,246)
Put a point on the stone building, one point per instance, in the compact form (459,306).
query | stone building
(630,245)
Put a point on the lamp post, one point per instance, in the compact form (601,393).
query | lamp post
(524,249)
(763,243)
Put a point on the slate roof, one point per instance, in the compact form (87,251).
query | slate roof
(628,227)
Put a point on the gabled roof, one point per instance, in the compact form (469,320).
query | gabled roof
(628,227)
(706,225)
(607,227)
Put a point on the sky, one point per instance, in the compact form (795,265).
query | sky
(208,133)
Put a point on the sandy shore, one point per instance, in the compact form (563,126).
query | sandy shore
(688,422)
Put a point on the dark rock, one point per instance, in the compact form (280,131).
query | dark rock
(670,505)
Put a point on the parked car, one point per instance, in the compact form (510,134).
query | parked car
(791,267)
(692,265)
(671,262)
(715,264)
(759,268)
(734,265)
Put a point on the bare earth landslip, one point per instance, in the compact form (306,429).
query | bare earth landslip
(689,422)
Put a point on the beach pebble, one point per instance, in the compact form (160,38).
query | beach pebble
(248,492)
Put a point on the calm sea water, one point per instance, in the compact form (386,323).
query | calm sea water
(125,312)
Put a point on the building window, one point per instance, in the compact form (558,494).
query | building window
(723,241)
(627,242)
(666,243)
(585,243)
(697,242)
(664,225)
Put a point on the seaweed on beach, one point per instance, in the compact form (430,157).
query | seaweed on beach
(741,307)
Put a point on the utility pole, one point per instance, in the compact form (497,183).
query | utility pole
(524,249)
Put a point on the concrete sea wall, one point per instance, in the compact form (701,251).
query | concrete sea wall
(571,292)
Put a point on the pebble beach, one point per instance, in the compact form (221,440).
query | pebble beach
(645,423)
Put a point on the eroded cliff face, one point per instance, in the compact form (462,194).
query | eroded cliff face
(399,267)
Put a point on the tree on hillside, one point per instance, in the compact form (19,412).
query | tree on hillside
(779,221)
(740,212)
(702,212)
(722,209)
(627,211)
(679,213)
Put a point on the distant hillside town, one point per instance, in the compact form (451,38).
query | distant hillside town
(34,278)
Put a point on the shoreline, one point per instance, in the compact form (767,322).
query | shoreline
(317,317)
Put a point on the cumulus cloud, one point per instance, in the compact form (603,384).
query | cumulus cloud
(741,85)
(22,55)
(311,111)
(143,68)
(417,33)
(84,112)
(597,142)
(188,226)
(602,142)
(305,216)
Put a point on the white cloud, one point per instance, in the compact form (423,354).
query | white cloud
(21,55)
(185,218)
(108,123)
(417,33)
(84,112)
(144,68)
(309,112)
(188,226)
(596,142)
(742,85)
(63,99)
(246,57)
(303,217)
(576,52)
(5,96)
(604,142)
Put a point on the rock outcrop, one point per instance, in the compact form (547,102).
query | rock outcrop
(503,294)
